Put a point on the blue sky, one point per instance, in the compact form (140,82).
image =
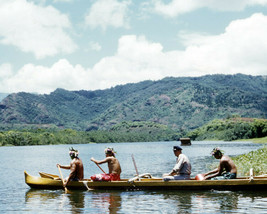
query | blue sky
(98,44)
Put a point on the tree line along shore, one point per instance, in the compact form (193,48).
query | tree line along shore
(229,130)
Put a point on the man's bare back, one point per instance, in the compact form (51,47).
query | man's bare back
(227,164)
(113,165)
(76,169)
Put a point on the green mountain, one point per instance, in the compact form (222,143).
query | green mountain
(180,103)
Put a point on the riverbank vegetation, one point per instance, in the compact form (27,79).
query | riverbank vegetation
(148,132)
(234,128)
(124,132)
(254,159)
(139,131)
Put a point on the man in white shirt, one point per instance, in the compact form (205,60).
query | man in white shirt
(182,168)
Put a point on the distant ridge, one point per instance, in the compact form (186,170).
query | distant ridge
(183,103)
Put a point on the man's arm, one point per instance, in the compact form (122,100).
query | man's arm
(63,167)
(71,175)
(177,166)
(214,172)
(100,162)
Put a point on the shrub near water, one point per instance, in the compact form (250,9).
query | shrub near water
(231,129)
(255,159)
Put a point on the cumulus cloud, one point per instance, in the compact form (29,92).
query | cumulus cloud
(63,0)
(5,71)
(240,49)
(95,46)
(178,7)
(104,13)
(32,78)
(34,29)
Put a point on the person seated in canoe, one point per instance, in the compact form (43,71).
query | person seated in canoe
(182,168)
(113,166)
(76,167)
(226,168)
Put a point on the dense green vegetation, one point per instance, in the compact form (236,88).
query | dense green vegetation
(138,131)
(124,132)
(255,159)
(182,104)
(231,129)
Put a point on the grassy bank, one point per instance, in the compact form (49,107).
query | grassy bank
(256,140)
(255,159)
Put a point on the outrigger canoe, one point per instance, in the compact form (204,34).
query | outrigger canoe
(146,181)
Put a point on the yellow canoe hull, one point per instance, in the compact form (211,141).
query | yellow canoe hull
(52,182)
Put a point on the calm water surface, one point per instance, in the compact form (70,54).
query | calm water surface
(156,158)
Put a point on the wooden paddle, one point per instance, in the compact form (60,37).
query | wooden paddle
(135,166)
(66,189)
(100,168)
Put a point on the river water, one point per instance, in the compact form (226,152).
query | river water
(153,157)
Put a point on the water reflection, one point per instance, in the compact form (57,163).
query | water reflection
(223,201)
(215,201)
(114,202)
(181,201)
(57,199)
(110,201)
(42,195)
(76,200)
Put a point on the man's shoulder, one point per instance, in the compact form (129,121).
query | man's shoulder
(225,158)
(76,160)
(183,156)
(110,158)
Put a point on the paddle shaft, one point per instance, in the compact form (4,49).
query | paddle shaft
(66,190)
(135,166)
(100,168)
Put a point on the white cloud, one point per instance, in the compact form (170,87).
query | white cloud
(95,46)
(63,0)
(32,78)
(240,49)
(104,13)
(35,29)
(178,7)
(5,71)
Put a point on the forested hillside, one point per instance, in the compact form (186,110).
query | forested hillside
(182,104)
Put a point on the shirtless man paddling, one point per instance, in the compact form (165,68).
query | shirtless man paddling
(113,166)
(76,167)
(226,168)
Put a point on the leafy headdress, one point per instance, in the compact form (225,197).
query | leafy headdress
(73,153)
(217,151)
(110,151)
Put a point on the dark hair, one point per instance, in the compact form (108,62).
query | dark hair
(73,153)
(217,151)
(110,151)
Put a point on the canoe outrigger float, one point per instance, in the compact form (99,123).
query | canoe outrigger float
(146,181)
